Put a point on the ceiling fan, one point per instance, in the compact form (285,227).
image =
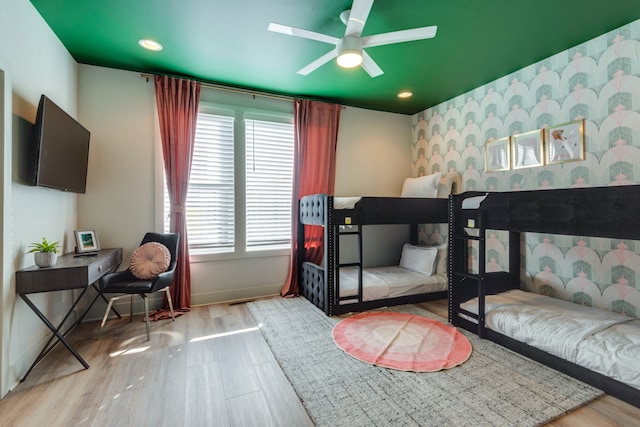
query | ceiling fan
(349,50)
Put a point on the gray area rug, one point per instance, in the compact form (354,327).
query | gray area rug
(495,387)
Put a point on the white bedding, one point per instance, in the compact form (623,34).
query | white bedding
(389,282)
(600,340)
(614,352)
(345,202)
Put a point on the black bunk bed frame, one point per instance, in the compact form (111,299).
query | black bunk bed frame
(609,212)
(320,285)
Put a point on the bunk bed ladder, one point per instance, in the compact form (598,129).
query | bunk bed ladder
(465,226)
(482,252)
(344,230)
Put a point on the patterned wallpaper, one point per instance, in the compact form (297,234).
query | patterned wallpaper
(599,81)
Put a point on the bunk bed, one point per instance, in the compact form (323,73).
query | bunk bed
(590,344)
(337,287)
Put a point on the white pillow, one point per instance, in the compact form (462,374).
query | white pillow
(445,185)
(423,186)
(441,259)
(420,259)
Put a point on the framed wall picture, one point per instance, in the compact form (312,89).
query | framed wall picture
(565,142)
(496,155)
(527,149)
(86,242)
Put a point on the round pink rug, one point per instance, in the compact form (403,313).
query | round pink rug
(406,342)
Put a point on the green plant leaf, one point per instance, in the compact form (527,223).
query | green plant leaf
(44,246)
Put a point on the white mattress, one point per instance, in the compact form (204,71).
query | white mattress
(345,202)
(600,340)
(389,282)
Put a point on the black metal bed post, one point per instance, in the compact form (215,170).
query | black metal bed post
(329,243)
(360,266)
(301,254)
(450,258)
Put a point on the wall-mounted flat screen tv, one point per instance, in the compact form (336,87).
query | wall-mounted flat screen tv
(62,149)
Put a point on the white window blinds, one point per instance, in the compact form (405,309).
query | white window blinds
(269,177)
(210,201)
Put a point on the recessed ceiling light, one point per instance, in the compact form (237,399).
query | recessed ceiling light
(405,94)
(150,45)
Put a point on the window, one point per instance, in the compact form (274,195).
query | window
(269,175)
(239,196)
(210,200)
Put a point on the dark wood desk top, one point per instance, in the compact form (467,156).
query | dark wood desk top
(69,272)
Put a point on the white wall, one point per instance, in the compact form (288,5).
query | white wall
(36,63)
(118,107)
(122,194)
(372,158)
(6,296)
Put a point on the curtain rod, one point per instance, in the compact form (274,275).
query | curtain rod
(229,89)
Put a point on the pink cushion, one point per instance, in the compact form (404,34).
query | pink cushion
(149,260)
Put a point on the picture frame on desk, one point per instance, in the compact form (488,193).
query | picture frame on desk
(86,242)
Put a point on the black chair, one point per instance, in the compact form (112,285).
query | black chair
(126,284)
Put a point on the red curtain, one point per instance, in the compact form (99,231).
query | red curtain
(314,169)
(177,102)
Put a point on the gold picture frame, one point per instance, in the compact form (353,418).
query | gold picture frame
(527,149)
(565,142)
(496,155)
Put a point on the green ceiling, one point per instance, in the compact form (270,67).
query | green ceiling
(227,42)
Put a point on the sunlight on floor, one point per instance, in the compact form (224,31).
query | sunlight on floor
(129,351)
(225,334)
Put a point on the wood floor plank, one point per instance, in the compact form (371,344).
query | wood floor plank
(257,348)
(121,409)
(206,403)
(606,411)
(238,374)
(249,410)
(200,338)
(282,400)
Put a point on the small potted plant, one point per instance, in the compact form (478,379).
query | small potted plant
(45,253)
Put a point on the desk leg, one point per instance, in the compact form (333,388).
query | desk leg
(56,333)
(48,348)
(93,301)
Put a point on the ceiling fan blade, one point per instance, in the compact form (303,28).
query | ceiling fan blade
(298,32)
(358,17)
(400,36)
(318,62)
(370,66)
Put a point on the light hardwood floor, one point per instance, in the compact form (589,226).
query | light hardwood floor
(211,367)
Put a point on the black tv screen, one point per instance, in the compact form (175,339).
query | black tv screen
(62,149)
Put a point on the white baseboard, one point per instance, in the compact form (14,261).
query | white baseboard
(235,295)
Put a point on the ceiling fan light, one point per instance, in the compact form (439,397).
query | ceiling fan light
(349,59)
(349,52)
